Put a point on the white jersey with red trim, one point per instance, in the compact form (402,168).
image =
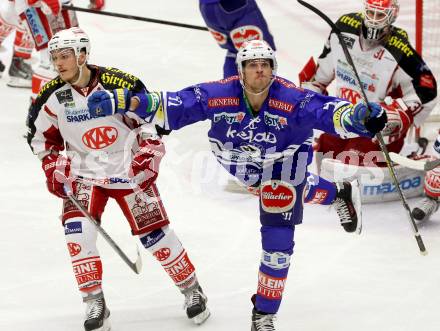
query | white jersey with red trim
(100,149)
(392,68)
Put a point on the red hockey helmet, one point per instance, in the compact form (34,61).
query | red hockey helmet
(378,16)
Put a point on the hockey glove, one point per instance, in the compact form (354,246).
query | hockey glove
(146,161)
(97,4)
(106,103)
(399,119)
(56,167)
(368,123)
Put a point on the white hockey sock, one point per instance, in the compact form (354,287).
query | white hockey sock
(168,250)
(81,238)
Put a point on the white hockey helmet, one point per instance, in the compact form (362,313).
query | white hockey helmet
(256,49)
(378,16)
(74,38)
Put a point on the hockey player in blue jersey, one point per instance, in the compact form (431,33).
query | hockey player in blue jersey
(261,132)
(232,22)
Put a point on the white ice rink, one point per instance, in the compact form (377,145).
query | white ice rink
(338,282)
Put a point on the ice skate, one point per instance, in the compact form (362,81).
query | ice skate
(195,305)
(97,316)
(2,68)
(262,321)
(425,208)
(348,206)
(20,73)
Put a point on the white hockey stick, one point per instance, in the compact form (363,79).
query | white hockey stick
(424,165)
(135,266)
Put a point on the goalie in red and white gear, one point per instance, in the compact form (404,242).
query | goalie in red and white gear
(113,157)
(391,72)
(430,203)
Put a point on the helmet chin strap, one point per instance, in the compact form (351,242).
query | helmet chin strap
(257,93)
(80,66)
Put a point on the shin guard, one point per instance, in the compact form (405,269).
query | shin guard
(81,238)
(166,247)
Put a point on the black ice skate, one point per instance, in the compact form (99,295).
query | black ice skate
(262,321)
(97,316)
(195,305)
(20,73)
(2,68)
(425,208)
(348,206)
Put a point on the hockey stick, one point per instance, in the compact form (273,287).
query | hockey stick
(135,266)
(379,137)
(137,18)
(423,165)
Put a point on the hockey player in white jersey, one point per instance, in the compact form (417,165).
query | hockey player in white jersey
(391,71)
(103,159)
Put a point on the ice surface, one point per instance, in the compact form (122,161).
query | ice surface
(337,282)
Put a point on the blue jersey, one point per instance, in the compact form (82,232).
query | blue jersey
(272,143)
(231,28)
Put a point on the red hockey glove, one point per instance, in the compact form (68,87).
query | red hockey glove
(399,119)
(97,4)
(55,167)
(146,161)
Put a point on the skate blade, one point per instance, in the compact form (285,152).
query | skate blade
(19,82)
(105,326)
(202,317)
(358,204)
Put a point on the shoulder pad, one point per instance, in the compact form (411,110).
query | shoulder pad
(49,88)
(113,78)
(398,44)
(350,23)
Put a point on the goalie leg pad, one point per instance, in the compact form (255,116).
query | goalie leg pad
(39,26)
(168,250)
(5,30)
(23,43)
(81,238)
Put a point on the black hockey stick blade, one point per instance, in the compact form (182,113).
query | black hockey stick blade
(379,137)
(133,17)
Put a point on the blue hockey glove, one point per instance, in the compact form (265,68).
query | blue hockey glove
(371,123)
(107,103)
